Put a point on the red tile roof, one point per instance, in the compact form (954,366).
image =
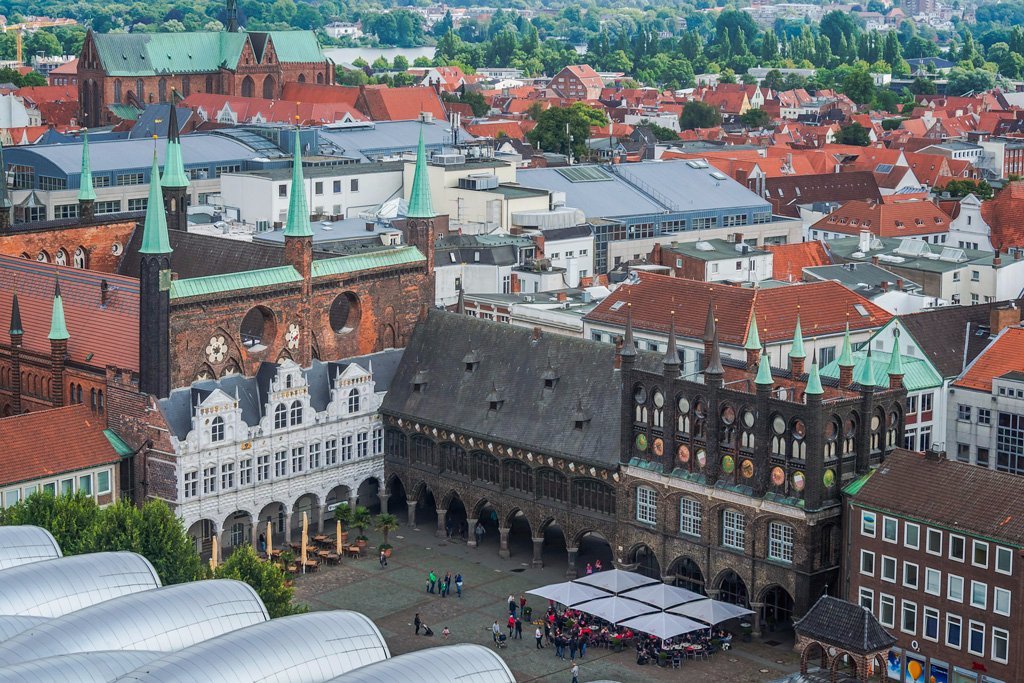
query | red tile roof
(69,68)
(790,259)
(400,104)
(101,334)
(51,442)
(1005,354)
(495,129)
(1005,216)
(897,219)
(824,307)
(315,93)
(247,109)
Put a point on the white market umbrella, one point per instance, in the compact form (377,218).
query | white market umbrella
(568,593)
(616,580)
(615,608)
(710,611)
(663,624)
(662,595)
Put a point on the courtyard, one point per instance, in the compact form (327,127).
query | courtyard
(393,596)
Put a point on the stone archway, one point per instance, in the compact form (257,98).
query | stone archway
(248,87)
(424,508)
(456,518)
(813,649)
(269,88)
(236,531)
(732,588)
(397,499)
(592,546)
(551,547)
(308,503)
(202,532)
(368,494)
(776,608)
(646,561)
(687,574)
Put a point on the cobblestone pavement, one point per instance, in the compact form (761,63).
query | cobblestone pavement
(392,597)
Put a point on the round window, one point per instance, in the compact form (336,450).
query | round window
(779,425)
(874,423)
(659,399)
(702,457)
(684,405)
(799,480)
(831,431)
(799,429)
(851,427)
(640,395)
(698,408)
(748,418)
(728,415)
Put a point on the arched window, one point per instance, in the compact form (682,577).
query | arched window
(320,78)
(209,84)
(422,451)
(296,413)
(353,401)
(518,476)
(92,399)
(99,400)
(61,257)
(552,484)
(217,429)
(280,417)
(591,494)
(302,78)
(780,542)
(454,460)
(186,86)
(117,91)
(659,409)
(486,468)
(140,90)
(80,260)
(161,90)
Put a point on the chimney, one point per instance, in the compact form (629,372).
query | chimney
(538,240)
(104,293)
(536,334)
(845,375)
(865,241)
(656,253)
(1003,316)
(737,237)
(895,381)
(562,296)
(516,285)
(997,260)
(884,285)
(587,281)
(369,226)
(899,284)
(874,260)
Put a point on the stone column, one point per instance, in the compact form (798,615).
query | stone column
(441,515)
(756,606)
(570,571)
(503,551)
(538,553)
(288,527)
(320,518)
(383,502)
(411,504)
(353,501)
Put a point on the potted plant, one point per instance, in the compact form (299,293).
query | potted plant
(287,558)
(384,524)
(343,513)
(360,520)
(384,548)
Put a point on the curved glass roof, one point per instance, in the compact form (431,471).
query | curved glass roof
(23,544)
(54,588)
(466,662)
(11,626)
(304,647)
(163,619)
(82,667)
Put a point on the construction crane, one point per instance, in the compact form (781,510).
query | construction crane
(31,26)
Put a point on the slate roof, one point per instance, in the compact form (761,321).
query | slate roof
(510,361)
(1003,356)
(845,625)
(787,192)
(36,444)
(101,333)
(907,482)
(941,333)
(252,391)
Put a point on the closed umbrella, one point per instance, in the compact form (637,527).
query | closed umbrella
(662,595)
(663,624)
(213,552)
(568,593)
(305,532)
(270,539)
(614,608)
(337,539)
(710,611)
(616,580)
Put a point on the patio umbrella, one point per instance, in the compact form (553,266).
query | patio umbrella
(710,611)
(337,539)
(662,595)
(568,593)
(305,542)
(663,624)
(616,580)
(213,552)
(270,538)
(614,608)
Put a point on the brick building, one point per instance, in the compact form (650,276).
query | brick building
(141,68)
(942,572)
(576,82)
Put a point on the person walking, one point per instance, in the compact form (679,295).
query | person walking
(446,632)
(383,560)
(479,532)
(539,635)
(573,646)
(495,630)
(431,581)
(522,603)
(590,569)
(448,528)
(512,605)
(519,628)
(597,565)
(575,672)
(418,623)
(445,584)
(263,544)
(583,646)
(511,625)
(458,584)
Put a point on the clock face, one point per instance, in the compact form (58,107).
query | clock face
(216,349)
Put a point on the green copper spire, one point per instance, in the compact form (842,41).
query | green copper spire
(798,341)
(85,191)
(896,359)
(865,373)
(764,371)
(420,205)
(58,328)
(753,342)
(174,167)
(154,233)
(814,380)
(298,210)
(846,355)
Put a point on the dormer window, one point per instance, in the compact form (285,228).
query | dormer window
(550,382)
(470,361)
(494,399)
(353,401)
(287,381)
(419,382)
(280,417)
(550,378)
(296,413)
(217,429)
(580,417)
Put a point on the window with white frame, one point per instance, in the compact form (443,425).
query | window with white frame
(102,482)
(932,581)
(934,542)
(733,529)
(378,440)
(780,542)
(210,479)
(191,488)
(227,476)
(887,610)
(911,535)
(908,619)
(690,517)
(280,417)
(217,429)
(1004,560)
(867,599)
(979,594)
(955,588)
(298,459)
(346,448)
(954,631)
(295,417)
(867,523)
(262,467)
(353,401)
(330,452)
(930,624)
(1001,601)
(976,638)
(646,505)
(963,413)
(888,569)
(867,562)
(1000,645)
(910,575)
(281,464)
(979,554)
(245,472)
(314,455)
(890,529)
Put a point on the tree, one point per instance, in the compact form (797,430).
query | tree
(854,134)
(68,518)
(699,115)
(166,544)
(384,524)
(401,63)
(773,80)
(360,519)
(550,132)
(266,579)
(922,86)
(961,188)
(755,118)
(966,80)
(859,86)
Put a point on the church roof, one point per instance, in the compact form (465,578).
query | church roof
(840,623)
(513,362)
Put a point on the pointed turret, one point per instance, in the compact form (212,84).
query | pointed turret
(86,193)
(58,327)
(814,387)
(895,369)
(298,210)
(865,375)
(845,360)
(6,206)
(17,331)
(174,166)
(154,232)
(764,371)
(628,346)
(709,329)
(714,365)
(16,327)
(420,203)
(797,355)
(155,295)
(752,345)
(672,351)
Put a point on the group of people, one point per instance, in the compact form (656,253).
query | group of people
(443,586)
(707,640)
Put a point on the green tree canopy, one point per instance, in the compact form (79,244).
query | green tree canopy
(854,134)
(550,132)
(755,118)
(699,115)
(267,579)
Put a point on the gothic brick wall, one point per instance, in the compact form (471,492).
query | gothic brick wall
(102,241)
